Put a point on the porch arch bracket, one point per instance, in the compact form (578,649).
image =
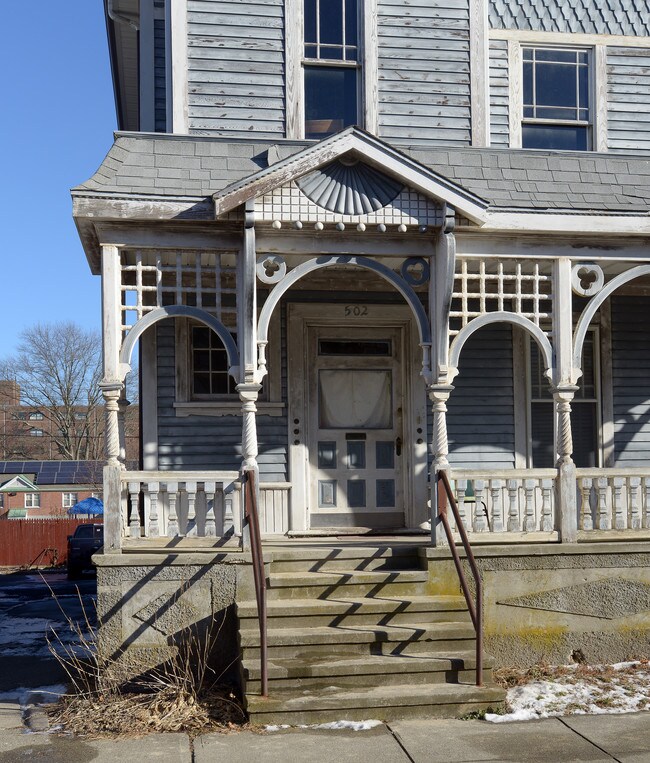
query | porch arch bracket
(361,262)
(502,316)
(179,311)
(589,311)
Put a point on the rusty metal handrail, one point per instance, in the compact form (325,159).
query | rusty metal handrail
(251,517)
(475,608)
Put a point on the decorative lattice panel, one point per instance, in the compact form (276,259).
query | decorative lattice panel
(152,279)
(288,204)
(485,286)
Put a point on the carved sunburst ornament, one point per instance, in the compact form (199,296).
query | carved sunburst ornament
(349,187)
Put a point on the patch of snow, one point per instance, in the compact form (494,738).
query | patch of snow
(23,695)
(333,725)
(572,696)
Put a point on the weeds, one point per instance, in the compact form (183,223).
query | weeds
(182,693)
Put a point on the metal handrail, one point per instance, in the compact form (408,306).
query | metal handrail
(475,607)
(251,518)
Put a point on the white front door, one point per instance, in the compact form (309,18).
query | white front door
(355,430)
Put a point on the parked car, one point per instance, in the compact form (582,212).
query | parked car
(86,541)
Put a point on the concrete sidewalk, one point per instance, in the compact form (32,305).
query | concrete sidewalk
(622,738)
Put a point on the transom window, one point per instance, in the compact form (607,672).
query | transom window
(331,66)
(209,364)
(556,108)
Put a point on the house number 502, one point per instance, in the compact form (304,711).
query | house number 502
(356,310)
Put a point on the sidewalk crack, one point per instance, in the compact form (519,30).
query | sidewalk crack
(598,747)
(396,737)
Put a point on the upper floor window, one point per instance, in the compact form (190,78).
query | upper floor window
(36,432)
(36,416)
(556,102)
(331,65)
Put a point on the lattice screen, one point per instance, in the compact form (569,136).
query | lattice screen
(485,286)
(152,279)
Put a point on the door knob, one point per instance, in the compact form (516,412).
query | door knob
(398,446)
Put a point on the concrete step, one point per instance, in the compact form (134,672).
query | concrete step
(303,613)
(359,671)
(347,584)
(381,702)
(359,639)
(361,559)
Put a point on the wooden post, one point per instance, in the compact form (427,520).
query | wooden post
(122,405)
(248,395)
(564,377)
(438,394)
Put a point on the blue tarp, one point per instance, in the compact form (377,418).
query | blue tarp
(91,506)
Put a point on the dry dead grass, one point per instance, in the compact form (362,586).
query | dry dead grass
(183,694)
(600,675)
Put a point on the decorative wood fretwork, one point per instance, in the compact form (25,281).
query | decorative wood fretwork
(483,286)
(159,278)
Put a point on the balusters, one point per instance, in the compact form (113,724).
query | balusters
(529,511)
(514,525)
(480,518)
(586,523)
(546,524)
(172,522)
(154,526)
(461,489)
(134,518)
(495,501)
(603,514)
(634,490)
(620,518)
(190,488)
(210,525)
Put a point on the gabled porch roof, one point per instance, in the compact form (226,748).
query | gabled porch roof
(361,145)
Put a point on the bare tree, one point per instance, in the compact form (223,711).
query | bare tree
(58,367)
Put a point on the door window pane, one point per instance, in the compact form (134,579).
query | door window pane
(385,453)
(385,493)
(355,399)
(327,455)
(326,494)
(356,454)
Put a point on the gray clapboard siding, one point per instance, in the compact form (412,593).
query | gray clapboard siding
(235,67)
(628,99)
(499,93)
(631,380)
(623,17)
(423,71)
(207,442)
(480,418)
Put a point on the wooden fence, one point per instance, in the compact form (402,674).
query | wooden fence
(38,542)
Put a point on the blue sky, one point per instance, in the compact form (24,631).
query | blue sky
(56,126)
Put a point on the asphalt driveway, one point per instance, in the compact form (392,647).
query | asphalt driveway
(31,605)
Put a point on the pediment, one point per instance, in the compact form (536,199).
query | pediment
(351,174)
(18,484)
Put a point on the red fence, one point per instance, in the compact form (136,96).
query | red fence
(41,542)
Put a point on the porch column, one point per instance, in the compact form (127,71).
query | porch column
(123,404)
(438,394)
(566,503)
(111,387)
(248,395)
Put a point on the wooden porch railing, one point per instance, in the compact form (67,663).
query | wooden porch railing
(251,519)
(475,607)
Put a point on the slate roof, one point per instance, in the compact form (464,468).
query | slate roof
(44,473)
(195,167)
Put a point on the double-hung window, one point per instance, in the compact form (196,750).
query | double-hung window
(331,66)
(32,500)
(556,99)
(70,500)
(209,374)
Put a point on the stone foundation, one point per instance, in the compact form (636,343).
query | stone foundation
(558,603)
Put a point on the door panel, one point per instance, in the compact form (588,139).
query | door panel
(355,427)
